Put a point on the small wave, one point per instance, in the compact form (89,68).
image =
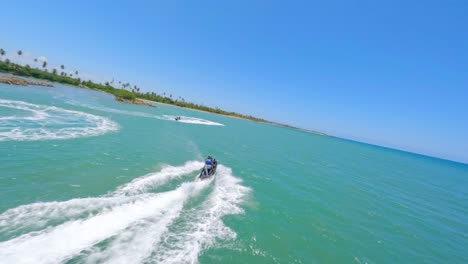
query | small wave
(136,225)
(50,122)
(184,119)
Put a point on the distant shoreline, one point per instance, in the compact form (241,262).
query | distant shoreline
(267,122)
(122,95)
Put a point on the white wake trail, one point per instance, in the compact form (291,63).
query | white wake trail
(184,119)
(191,120)
(36,216)
(59,243)
(205,225)
(152,180)
(138,242)
(50,122)
(130,225)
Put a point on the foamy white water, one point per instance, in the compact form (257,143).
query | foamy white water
(205,225)
(49,122)
(135,222)
(152,180)
(36,216)
(138,242)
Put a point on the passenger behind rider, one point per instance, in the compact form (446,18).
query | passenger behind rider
(208,163)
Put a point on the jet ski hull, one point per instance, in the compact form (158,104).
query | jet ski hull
(204,176)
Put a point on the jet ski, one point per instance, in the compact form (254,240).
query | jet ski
(209,173)
(177,118)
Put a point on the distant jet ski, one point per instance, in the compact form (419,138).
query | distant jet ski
(177,118)
(209,169)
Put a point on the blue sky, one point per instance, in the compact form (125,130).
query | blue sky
(392,73)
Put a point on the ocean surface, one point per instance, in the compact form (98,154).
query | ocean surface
(85,179)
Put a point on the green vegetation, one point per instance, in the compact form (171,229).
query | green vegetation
(121,93)
(27,71)
(43,74)
(168,100)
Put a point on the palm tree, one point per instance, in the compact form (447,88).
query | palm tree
(2,52)
(76,72)
(44,64)
(7,61)
(62,67)
(54,71)
(20,52)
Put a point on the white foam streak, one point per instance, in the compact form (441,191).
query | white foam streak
(192,120)
(48,246)
(39,215)
(153,180)
(50,122)
(184,119)
(137,244)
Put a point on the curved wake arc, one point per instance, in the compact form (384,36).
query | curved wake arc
(43,122)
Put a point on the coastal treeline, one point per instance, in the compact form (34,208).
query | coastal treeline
(132,94)
(182,103)
(27,71)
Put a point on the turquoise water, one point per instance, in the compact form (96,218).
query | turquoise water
(84,179)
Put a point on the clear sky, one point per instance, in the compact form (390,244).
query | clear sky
(392,73)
